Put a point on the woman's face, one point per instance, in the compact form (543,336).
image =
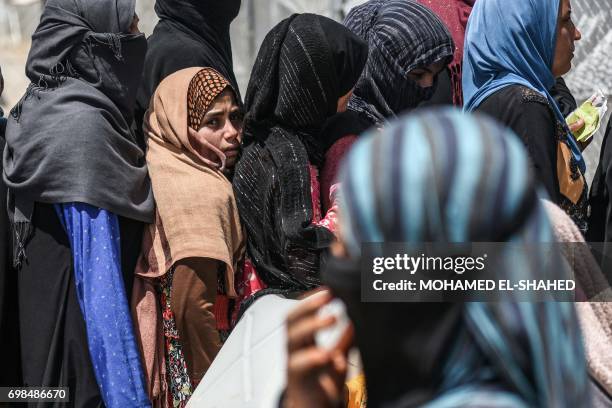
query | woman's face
(426,76)
(567,35)
(222,126)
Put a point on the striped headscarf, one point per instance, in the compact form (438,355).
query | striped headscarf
(441,176)
(402,35)
(455,14)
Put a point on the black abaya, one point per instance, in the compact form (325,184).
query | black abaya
(600,220)
(294,88)
(10,375)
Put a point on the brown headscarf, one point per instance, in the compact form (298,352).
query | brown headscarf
(196,213)
(196,210)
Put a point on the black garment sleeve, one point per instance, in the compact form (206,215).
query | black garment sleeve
(563,96)
(348,123)
(600,219)
(10,356)
(535,127)
(530,117)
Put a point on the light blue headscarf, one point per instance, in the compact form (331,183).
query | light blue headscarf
(443,176)
(508,43)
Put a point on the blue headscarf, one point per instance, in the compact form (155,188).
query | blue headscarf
(467,180)
(508,43)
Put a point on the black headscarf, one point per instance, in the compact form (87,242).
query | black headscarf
(305,64)
(69,139)
(402,35)
(190,33)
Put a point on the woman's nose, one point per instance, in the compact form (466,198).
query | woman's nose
(231,132)
(577,35)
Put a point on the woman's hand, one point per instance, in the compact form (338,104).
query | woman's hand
(315,375)
(576,126)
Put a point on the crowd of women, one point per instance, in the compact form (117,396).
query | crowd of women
(145,205)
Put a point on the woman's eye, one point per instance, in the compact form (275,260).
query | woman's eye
(212,123)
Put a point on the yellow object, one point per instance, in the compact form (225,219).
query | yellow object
(591,113)
(357,397)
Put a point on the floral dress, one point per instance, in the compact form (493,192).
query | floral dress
(179,384)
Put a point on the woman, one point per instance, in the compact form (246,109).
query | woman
(194,131)
(408,47)
(600,220)
(304,73)
(454,14)
(200,31)
(500,354)
(79,193)
(528,45)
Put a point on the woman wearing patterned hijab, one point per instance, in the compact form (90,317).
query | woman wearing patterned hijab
(79,193)
(455,15)
(191,252)
(304,73)
(409,45)
(444,177)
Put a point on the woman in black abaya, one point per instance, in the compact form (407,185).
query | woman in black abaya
(78,194)
(305,72)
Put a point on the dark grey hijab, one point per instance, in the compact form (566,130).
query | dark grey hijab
(402,35)
(69,139)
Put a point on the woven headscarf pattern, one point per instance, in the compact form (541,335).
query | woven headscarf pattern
(205,86)
(402,35)
(455,14)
